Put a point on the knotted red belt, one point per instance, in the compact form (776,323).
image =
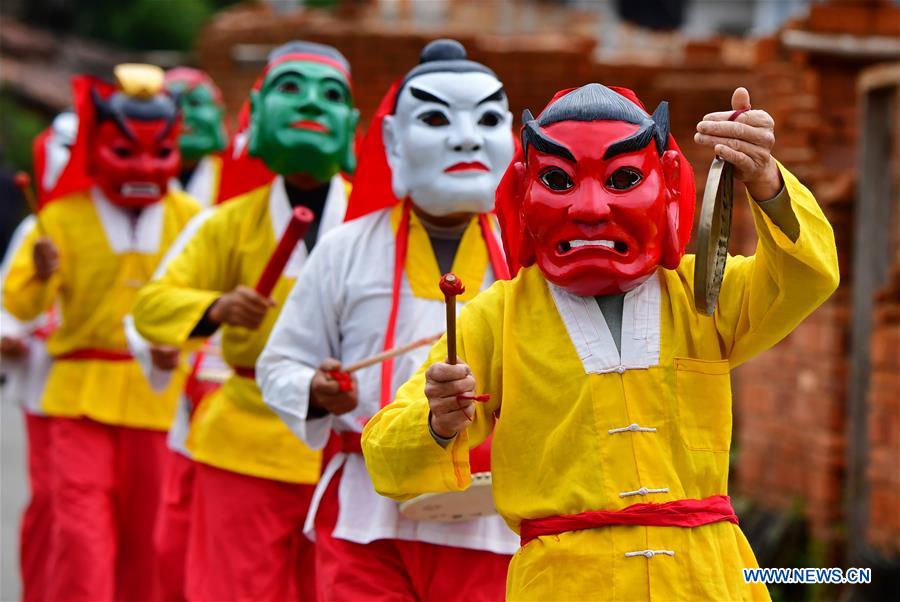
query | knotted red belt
(108,355)
(679,513)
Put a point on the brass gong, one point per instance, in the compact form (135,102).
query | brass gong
(712,235)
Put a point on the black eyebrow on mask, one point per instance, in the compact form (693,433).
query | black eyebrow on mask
(497,96)
(427,96)
(533,136)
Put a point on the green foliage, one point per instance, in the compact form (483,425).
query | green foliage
(321,3)
(148,24)
(18,127)
(132,24)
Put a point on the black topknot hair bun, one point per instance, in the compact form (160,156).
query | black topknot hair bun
(442,50)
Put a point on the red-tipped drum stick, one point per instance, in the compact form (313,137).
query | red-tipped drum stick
(23,182)
(451,286)
(301,218)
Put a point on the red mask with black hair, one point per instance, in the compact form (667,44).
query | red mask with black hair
(135,150)
(127,138)
(600,195)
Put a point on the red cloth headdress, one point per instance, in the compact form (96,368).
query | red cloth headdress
(39,163)
(74,177)
(509,199)
(372,189)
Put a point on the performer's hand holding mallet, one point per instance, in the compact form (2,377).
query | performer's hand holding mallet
(247,307)
(450,386)
(333,389)
(45,255)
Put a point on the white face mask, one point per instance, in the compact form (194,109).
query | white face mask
(447,145)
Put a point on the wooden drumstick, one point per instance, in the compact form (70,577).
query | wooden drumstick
(451,286)
(301,218)
(343,376)
(389,353)
(23,182)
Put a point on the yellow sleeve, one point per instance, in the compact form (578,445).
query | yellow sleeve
(768,294)
(402,457)
(168,308)
(24,295)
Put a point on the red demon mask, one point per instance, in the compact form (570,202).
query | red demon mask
(134,150)
(601,195)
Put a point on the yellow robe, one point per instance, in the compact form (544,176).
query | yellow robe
(560,444)
(95,285)
(233,429)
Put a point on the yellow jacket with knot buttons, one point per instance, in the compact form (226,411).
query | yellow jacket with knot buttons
(586,427)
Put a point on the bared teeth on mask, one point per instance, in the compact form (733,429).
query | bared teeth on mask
(591,243)
(140,189)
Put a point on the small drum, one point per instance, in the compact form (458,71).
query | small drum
(452,506)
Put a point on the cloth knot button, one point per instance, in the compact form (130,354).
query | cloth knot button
(648,553)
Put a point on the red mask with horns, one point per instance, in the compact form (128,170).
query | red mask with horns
(600,195)
(127,142)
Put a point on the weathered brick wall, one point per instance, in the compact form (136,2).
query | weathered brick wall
(883,471)
(791,402)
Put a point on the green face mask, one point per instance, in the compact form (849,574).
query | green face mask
(303,120)
(202,129)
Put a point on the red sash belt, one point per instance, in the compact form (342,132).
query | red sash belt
(351,442)
(679,513)
(245,372)
(108,355)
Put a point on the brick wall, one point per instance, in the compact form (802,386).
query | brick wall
(790,403)
(884,420)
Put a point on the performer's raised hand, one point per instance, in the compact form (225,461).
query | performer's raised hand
(443,384)
(164,357)
(241,307)
(326,392)
(46,258)
(746,143)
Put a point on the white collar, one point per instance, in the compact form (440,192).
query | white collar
(280,215)
(126,234)
(592,339)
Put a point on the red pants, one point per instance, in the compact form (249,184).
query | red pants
(394,570)
(173,525)
(37,521)
(246,540)
(106,488)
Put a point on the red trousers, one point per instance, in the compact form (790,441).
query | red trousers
(394,570)
(173,525)
(37,521)
(106,487)
(246,539)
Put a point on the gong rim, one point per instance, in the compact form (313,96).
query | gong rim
(713,233)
